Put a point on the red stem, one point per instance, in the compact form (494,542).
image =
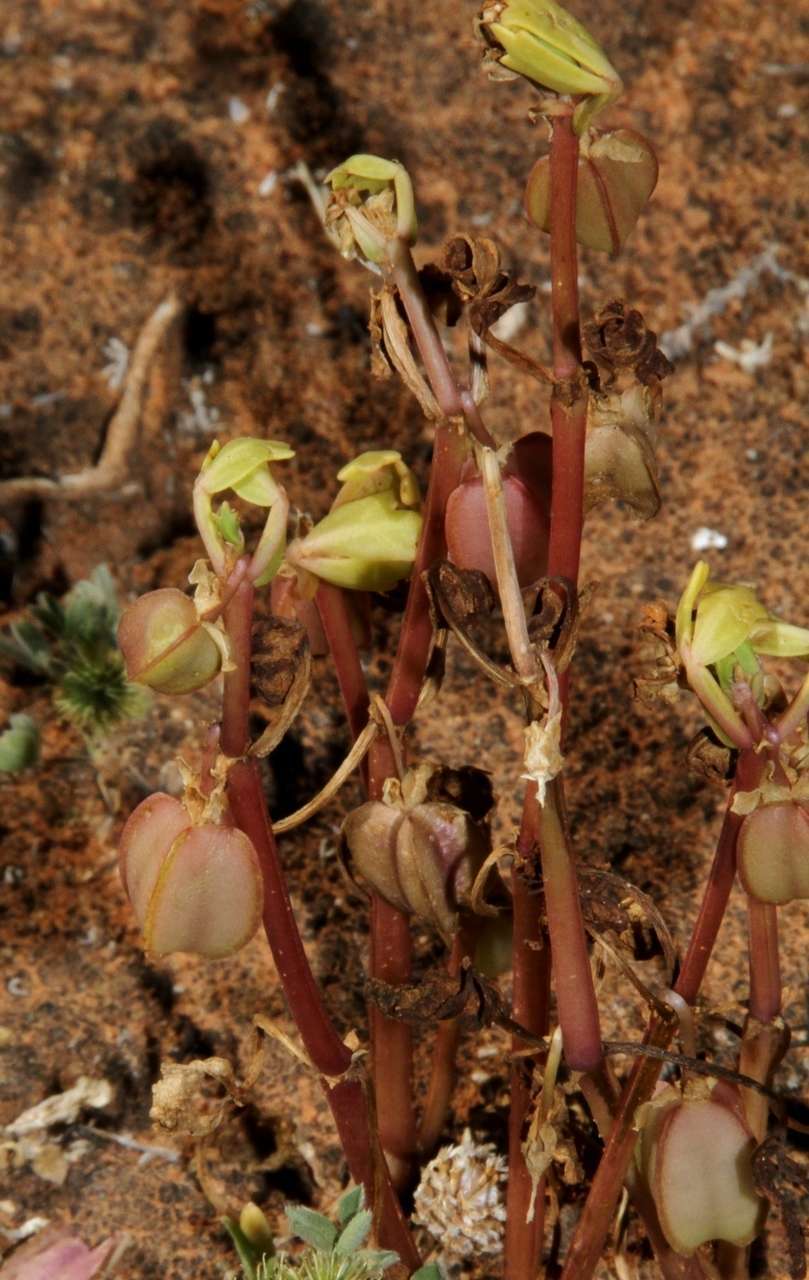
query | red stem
(765,968)
(333,608)
(532,966)
(390,931)
(443,1072)
(591,1232)
(569,401)
(348,1094)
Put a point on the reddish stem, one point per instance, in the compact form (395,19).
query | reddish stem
(765,968)
(333,609)
(443,1073)
(348,1094)
(569,400)
(532,966)
(591,1232)
(572,975)
(390,932)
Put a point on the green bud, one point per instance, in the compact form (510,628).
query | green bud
(227,522)
(541,41)
(368,540)
(372,203)
(19,745)
(715,620)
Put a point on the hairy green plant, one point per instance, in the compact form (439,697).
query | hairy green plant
(336,1251)
(71,645)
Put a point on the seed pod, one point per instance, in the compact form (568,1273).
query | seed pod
(773,853)
(165,646)
(696,1156)
(526,488)
(421,855)
(617,174)
(193,887)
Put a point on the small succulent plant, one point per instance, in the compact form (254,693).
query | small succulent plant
(70,644)
(336,1251)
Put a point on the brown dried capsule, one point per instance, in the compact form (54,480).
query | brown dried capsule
(419,854)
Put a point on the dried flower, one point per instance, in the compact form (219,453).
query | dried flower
(416,848)
(371,205)
(460,1198)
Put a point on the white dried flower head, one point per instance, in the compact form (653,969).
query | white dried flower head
(460,1197)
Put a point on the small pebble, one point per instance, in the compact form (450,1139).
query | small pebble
(704,539)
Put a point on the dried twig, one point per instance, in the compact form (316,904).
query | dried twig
(110,470)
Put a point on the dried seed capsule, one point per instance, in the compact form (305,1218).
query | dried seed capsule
(773,853)
(419,854)
(193,887)
(165,646)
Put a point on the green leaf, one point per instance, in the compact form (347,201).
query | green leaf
(365,172)
(777,639)
(355,1233)
(19,745)
(91,609)
(259,488)
(227,522)
(431,1271)
(311,1227)
(238,459)
(367,545)
(350,1204)
(26,646)
(725,618)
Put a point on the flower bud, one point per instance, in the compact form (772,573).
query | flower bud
(526,489)
(617,173)
(696,1155)
(165,646)
(773,853)
(193,887)
(368,540)
(715,619)
(419,854)
(540,40)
